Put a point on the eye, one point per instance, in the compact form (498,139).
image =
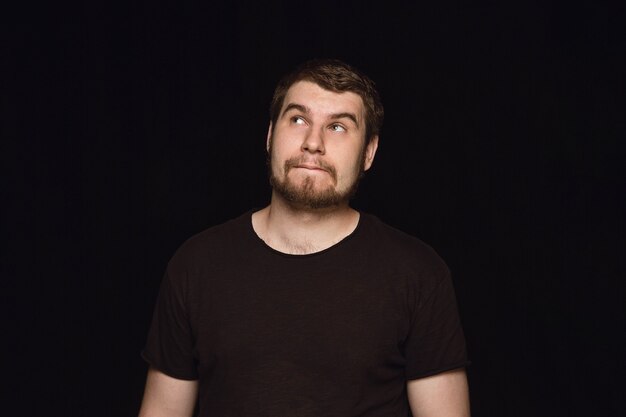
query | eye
(298,120)
(337,128)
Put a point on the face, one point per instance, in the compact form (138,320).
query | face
(317,150)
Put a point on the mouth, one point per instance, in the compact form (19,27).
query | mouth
(310,167)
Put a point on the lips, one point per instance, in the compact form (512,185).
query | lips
(311,167)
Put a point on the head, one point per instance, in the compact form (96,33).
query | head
(337,76)
(323,135)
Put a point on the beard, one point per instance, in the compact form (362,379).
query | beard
(306,194)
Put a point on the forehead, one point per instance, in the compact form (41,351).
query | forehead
(322,101)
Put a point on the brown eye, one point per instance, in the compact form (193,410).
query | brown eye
(337,128)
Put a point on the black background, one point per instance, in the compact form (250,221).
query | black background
(127,128)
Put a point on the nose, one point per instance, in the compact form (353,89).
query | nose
(314,141)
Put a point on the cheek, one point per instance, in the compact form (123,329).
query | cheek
(277,158)
(354,161)
(275,163)
(284,150)
(280,147)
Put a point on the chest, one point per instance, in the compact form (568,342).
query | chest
(347,319)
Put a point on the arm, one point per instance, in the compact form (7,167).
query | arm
(442,395)
(167,396)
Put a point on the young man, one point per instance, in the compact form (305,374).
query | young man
(308,307)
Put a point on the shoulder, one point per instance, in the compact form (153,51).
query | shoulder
(398,245)
(403,255)
(212,243)
(409,263)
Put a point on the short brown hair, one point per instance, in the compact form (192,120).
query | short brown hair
(337,76)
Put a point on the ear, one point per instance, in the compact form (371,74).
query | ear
(268,140)
(370,153)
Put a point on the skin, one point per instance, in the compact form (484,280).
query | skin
(323,134)
(442,395)
(309,130)
(165,396)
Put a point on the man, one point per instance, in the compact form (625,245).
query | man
(308,307)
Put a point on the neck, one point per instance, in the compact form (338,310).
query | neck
(297,231)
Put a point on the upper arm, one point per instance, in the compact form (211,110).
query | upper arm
(442,395)
(167,396)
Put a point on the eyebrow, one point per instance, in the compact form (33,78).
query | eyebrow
(296,106)
(306,110)
(347,115)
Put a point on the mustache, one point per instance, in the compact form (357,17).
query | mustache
(294,162)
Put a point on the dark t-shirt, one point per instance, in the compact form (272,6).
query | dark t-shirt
(333,333)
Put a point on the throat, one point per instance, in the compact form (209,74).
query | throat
(295,247)
(297,236)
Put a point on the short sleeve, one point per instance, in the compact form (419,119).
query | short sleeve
(436,342)
(169,347)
